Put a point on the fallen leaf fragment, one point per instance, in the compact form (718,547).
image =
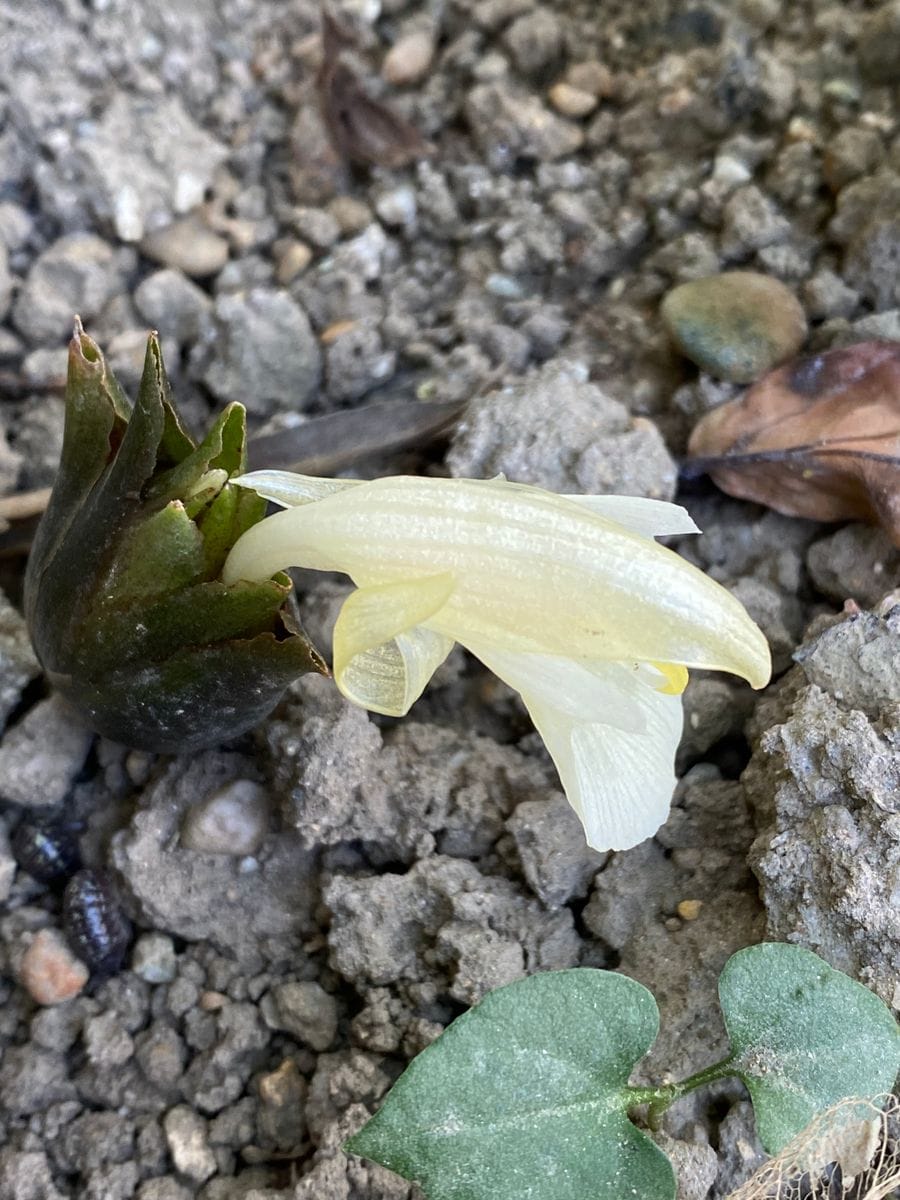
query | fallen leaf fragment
(818,437)
(364,131)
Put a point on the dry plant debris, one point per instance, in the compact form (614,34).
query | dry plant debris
(363,130)
(818,437)
(851,1149)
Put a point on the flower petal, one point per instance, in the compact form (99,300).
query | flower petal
(619,780)
(651,518)
(289,489)
(534,572)
(383,658)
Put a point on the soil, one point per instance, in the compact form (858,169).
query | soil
(167,165)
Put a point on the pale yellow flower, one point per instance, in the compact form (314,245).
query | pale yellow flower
(567,598)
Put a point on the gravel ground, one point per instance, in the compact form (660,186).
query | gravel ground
(167,165)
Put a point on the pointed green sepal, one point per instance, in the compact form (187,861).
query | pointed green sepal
(124,604)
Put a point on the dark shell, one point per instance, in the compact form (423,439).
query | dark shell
(95,924)
(47,850)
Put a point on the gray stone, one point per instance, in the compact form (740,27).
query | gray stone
(750,221)
(549,839)
(356,361)
(173,305)
(95,1138)
(108,1044)
(858,562)
(824,780)
(76,274)
(509,124)
(878,48)
(264,353)
(26,1175)
(32,1079)
(187,245)
(18,665)
(443,917)
(695,1166)
(857,662)
(145,161)
(39,436)
(153,958)
(872,262)
(42,754)
(307,1012)
(186,1133)
(231,820)
(247,914)
(558,431)
(736,325)
(422,787)
(850,153)
(317,226)
(16,225)
(534,40)
(161,1053)
(164,1188)
(827,295)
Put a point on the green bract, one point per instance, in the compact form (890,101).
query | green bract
(124,603)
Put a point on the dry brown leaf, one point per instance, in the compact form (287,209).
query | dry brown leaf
(819,437)
(364,131)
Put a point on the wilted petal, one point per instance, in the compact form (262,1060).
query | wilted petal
(383,658)
(612,736)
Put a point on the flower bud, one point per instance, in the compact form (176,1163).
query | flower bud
(123,595)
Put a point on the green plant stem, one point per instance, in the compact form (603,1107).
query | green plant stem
(658,1099)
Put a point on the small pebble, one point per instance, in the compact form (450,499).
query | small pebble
(409,59)
(292,260)
(689,910)
(306,1011)
(736,325)
(153,958)
(187,1138)
(189,245)
(397,207)
(351,215)
(878,49)
(232,820)
(49,971)
(571,101)
(592,77)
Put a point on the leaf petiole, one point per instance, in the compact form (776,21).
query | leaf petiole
(658,1099)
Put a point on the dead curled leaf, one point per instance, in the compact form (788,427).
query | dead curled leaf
(364,131)
(819,437)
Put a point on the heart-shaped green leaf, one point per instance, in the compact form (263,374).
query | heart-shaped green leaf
(803,1036)
(526,1096)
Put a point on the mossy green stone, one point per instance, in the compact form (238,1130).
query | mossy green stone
(736,325)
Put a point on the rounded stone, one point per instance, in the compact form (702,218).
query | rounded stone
(409,59)
(232,820)
(736,325)
(153,958)
(49,971)
(572,101)
(878,48)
